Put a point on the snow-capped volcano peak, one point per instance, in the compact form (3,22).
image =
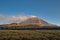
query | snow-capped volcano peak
(34,20)
(33,16)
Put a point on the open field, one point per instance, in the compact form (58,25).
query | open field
(29,34)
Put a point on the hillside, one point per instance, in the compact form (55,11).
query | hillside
(31,22)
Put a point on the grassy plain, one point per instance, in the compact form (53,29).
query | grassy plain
(29,34)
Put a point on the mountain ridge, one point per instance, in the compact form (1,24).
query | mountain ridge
(32,21)
(35,21)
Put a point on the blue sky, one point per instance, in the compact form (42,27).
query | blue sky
(49,10)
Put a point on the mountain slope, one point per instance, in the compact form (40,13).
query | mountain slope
(31,22)
(34,21)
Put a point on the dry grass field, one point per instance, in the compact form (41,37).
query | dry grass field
(29,34)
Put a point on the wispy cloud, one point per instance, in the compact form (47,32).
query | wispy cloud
(12,19)
(17,18)
(2,17)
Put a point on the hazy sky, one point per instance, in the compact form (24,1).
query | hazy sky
(49,10)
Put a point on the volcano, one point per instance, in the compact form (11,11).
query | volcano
(33,20)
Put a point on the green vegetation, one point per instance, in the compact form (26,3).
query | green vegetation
(29,34)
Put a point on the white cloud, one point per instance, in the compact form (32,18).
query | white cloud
(17,18)
(2,17)
(12,19)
